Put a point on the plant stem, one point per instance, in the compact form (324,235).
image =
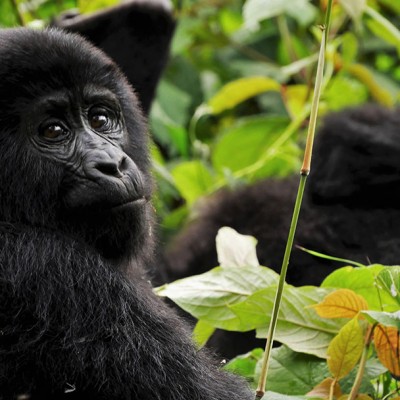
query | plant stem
(18,14)
(332,389)
(274,318)
(361,367)
(305,169)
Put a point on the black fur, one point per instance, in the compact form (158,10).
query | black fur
(135,34)
(78,319)
(351,209)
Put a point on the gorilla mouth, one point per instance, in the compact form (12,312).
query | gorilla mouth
(140,201)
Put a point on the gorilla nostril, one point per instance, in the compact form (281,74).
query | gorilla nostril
(123,164)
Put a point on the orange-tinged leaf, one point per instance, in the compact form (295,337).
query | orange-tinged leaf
(239,90)
(322,390)
(342,303)
(386,339)
(345,349)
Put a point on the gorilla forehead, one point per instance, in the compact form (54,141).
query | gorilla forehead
(36,62)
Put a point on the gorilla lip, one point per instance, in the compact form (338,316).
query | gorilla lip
(139,201)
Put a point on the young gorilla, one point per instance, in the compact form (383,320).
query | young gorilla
(78,319)
(350,210)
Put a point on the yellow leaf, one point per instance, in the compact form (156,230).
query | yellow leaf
(322,390)
(295,98)
(386,339)
(342,303)
(239,90)
(345,349)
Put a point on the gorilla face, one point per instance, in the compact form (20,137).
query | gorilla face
(84,132)
(73,127)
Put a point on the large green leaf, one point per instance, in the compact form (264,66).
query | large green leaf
(363,282)
(193,179)
(256,139)
(255,11)
(246,364)
(384,318)
(235,92)
(210,296)
(356,93)
(294,373)
(299,326)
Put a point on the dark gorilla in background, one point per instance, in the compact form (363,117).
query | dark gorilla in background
(135,34)
(78,318)
(351,208)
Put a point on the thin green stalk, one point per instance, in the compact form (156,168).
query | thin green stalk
(274,319)
(305,169)
(18,14)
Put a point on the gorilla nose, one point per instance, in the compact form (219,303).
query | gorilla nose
(112,167)
(107,164)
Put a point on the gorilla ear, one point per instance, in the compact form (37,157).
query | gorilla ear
(135,34)
(357,155)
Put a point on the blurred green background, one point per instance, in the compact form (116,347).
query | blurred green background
(234,100)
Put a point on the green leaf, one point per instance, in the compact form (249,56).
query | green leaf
(372,371)
(385,34)
(356,93)
(389,279)
(210,296)
(299,326)
(245,365)
(86,6)
(349,47)
(354,8)
(192,179)
(383,28)
(202,332)
(236,250)
(174,102)
(258,140)
(384,318)
(363,282)
(294,373)
(345,349)
(269,395)
(240,90)
(382,89)
(255,11)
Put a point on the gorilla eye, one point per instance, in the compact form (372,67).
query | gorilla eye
(52,131)
(99,122)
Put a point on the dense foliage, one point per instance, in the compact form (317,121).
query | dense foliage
(232,109)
